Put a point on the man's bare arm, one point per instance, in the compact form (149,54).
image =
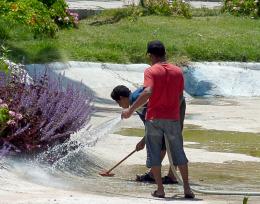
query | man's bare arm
(140,101)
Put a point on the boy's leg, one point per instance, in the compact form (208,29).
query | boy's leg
(148,177)
(170,178)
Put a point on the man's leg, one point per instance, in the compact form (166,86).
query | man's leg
(182,117)
(156,170)
(153,139)
(174,144)
(185,177)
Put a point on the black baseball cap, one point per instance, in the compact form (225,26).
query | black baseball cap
(156,48)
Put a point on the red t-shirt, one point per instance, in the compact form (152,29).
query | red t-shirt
(167,83)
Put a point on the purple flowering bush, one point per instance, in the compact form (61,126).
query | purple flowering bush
(41,113)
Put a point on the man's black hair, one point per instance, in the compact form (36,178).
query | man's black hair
(156,48)
(118,91)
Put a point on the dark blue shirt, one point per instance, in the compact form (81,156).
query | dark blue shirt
(142,110)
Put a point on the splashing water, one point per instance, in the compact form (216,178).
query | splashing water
(79,143)
(70,166)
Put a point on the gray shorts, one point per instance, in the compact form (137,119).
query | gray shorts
(155,131)
(182,117)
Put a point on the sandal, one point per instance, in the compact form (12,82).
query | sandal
(168,180)
(154,194)
(145,178)
(190,195)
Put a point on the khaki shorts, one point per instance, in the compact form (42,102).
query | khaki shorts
(155,131)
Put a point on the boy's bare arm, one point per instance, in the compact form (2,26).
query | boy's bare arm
(140,101)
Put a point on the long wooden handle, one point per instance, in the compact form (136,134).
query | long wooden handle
(121,161)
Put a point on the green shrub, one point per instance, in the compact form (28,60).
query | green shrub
(42,17)
(3,66)
(61,15)
(242,7)
(158,7)
(48,3)
(3,56)
(4,117)
(115,15)
(164,8)
(181,8)
(146,8)
(32,13)
(4,34)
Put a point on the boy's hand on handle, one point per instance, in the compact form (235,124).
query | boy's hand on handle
(126,113)
(140,145)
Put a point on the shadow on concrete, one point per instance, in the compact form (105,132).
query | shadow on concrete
(37,70)
(194,87)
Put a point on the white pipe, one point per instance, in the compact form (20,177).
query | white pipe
(211,192)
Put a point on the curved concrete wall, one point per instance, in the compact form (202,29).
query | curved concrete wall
(223,79)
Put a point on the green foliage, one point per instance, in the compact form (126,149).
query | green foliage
(31,13)
(115,15)
(181,8)
(3,66)
(4,115)
(164,8)
(245,200)
(48,3)
(158,7)
(62,17)
(43,18)
(218,38)
(4,34)
(148,7)
(3,55)
(242,7)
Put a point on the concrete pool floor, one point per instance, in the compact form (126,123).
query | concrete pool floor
(238,114)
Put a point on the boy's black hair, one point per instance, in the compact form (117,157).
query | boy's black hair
(118,91)
(156,48)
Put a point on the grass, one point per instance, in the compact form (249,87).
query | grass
(214,140)
(211,38)
(3,67)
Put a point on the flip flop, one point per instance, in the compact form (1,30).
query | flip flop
(189,196)
(145,178)
(154,194)
(168,180)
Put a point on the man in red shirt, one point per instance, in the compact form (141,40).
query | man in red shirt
(164,86)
